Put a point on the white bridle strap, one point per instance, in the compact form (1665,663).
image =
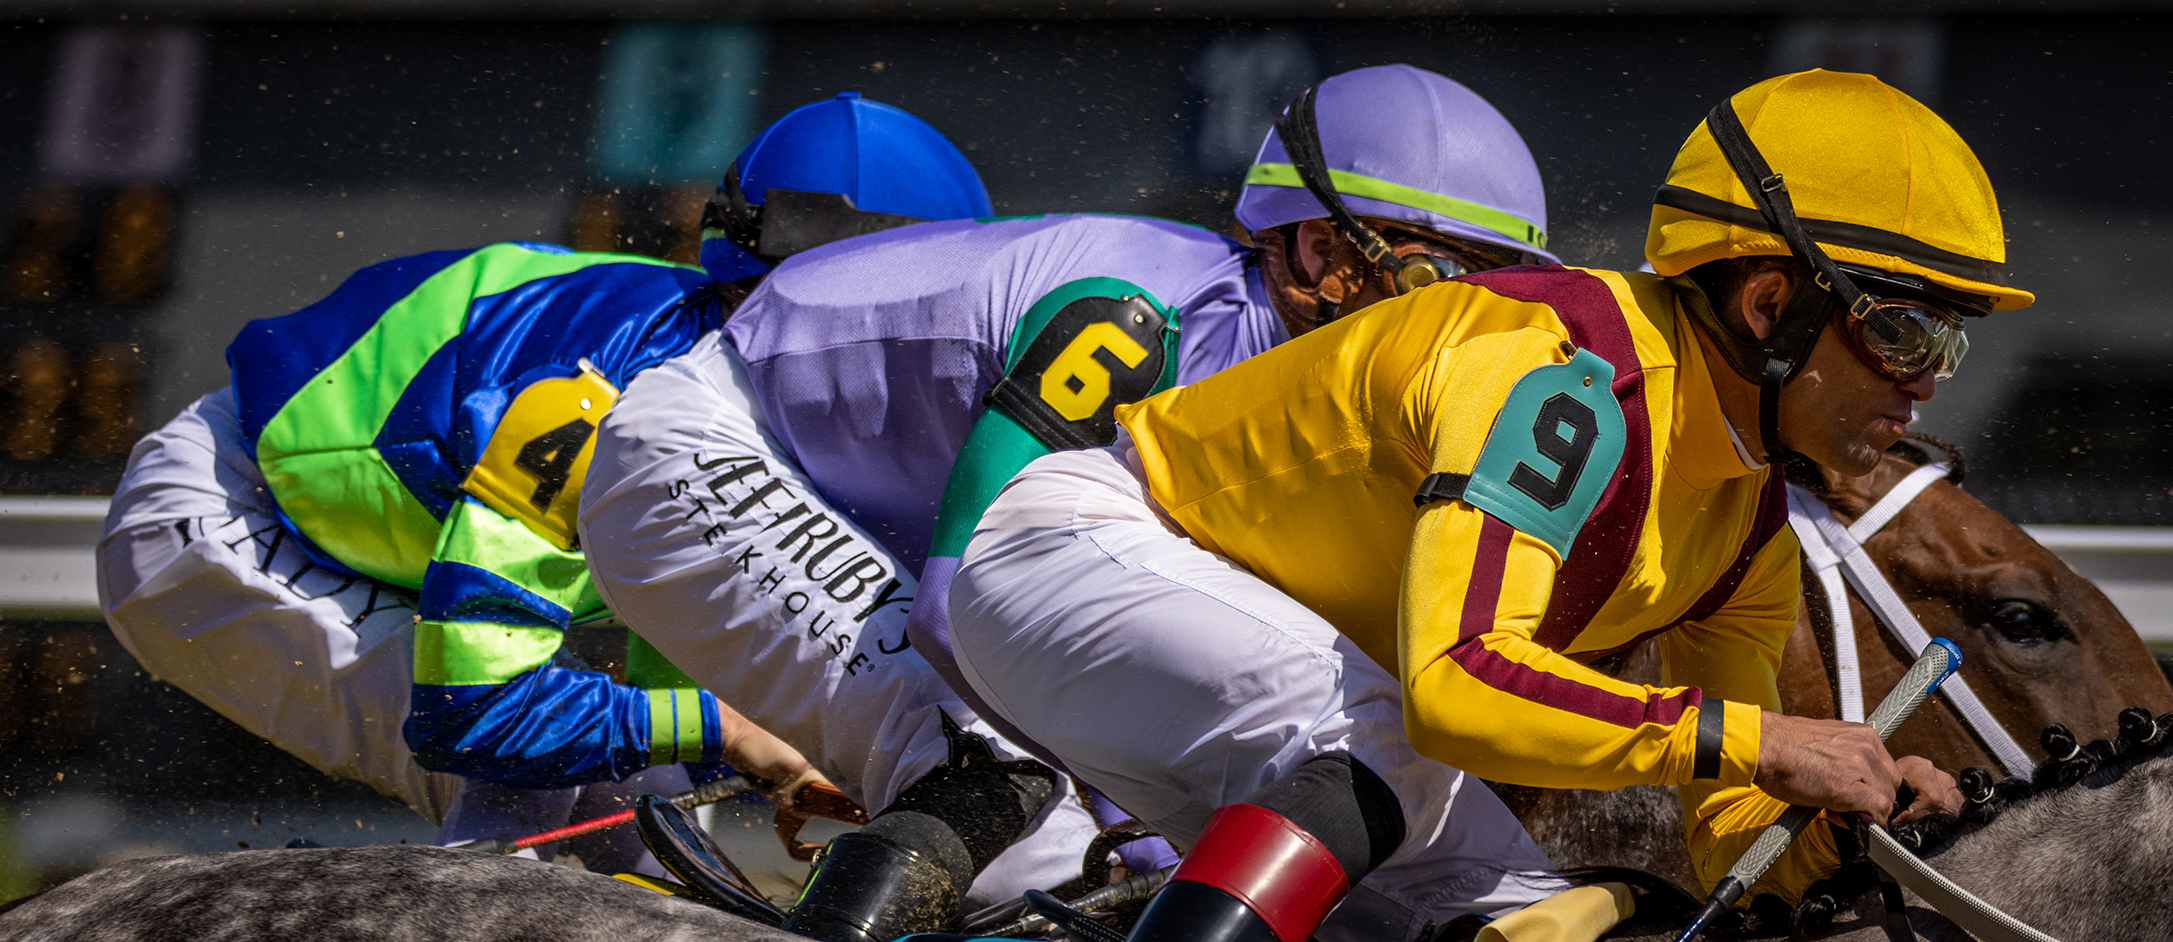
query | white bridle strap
(1848,676)
(1883,512)
(1835,552)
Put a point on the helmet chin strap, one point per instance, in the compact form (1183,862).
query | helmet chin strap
(1797,330)
(1787,347)
(1769,411)
(1299,130)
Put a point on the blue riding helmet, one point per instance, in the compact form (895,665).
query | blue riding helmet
(827,171)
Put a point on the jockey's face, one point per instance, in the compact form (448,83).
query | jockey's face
(1842,413)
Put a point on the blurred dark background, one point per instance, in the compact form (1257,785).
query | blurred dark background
(168,172)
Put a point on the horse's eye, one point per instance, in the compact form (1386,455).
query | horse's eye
(2024,622)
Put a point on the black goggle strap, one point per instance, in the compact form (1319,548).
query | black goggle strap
(1770,192)
(1300,133)
(1789,346)
(729,212)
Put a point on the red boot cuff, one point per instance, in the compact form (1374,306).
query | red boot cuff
(1284,875)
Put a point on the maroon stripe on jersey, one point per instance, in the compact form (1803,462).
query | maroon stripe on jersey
(1483,593)
(1772,516)
(1609,538)
(1483,596)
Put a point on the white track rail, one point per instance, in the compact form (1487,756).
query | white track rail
(46,564)
(2134,565)
(46,568)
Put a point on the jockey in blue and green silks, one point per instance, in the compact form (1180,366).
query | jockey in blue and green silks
(427,425)
(365,549)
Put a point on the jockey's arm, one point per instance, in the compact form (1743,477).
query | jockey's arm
(1735,654)
(1479,692)
(749,748)
(488,701)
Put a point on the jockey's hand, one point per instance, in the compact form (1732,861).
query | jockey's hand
(1935,790)
(1841,767)
(759,755)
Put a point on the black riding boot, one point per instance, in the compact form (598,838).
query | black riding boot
(1270,868)
(908,869)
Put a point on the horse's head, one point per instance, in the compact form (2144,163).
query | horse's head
(2040,643)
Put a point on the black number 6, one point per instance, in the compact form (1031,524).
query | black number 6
(1569,453)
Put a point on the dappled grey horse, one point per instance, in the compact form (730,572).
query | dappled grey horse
(2087,861)
(2085,853)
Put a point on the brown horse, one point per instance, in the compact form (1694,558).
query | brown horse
(2040,645)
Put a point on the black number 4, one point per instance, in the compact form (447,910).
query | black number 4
(1568,453)
(549,457)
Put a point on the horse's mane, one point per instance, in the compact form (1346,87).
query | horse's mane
(2096,764)
(1914,447)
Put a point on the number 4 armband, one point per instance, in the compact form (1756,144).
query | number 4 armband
(1554,445)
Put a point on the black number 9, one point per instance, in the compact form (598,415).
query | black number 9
(1569,454)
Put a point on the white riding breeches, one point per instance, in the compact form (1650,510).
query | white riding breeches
(1177,682)
(714,547)
(204,586)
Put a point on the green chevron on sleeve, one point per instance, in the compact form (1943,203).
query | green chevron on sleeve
(317,452)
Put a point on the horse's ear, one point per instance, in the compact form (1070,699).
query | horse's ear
(1848,497)
(1916,448)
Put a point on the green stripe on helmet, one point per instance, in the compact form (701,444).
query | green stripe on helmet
(1374,188)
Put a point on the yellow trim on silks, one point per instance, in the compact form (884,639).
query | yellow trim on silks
(467,654)
(1579,915)
(525,458)
(675,725)
(653,884)
(1374,188)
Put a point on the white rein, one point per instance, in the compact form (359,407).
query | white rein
(1836,552)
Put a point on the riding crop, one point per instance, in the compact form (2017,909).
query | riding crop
(705,794)
(1109,897)
(1938,662)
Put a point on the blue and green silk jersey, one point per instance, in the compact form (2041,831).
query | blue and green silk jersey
(427,425)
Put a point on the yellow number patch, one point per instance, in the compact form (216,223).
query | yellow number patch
(532,467)
(1076,384)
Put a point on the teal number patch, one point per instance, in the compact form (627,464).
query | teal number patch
(1553,448)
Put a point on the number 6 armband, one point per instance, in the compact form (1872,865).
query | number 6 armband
(1553,447)
(1081,351)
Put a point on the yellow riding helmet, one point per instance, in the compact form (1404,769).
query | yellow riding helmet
(1877,179)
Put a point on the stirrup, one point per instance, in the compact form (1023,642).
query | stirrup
(678,843)
(868,888)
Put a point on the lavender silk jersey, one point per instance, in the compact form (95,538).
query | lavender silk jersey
(870,356)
